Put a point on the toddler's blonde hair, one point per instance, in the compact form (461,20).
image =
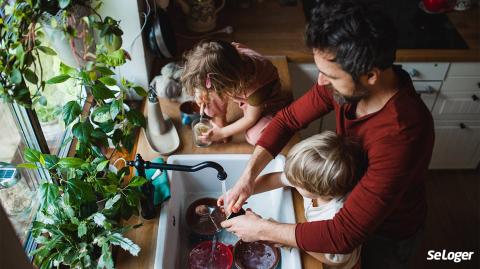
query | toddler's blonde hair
(219,60)
(325,164)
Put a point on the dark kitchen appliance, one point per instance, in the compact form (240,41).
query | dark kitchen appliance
(416,28)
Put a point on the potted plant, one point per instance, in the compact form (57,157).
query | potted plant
(82,208)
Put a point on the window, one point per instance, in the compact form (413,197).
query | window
(49,107)
(18,187)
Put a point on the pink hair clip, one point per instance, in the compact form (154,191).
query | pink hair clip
(208,82)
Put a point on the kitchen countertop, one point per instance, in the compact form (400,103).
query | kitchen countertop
(146,235)
(272,29)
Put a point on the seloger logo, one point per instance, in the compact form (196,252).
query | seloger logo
(449,256)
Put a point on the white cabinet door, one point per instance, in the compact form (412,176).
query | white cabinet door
(457,145)
(457,106)
(426,71)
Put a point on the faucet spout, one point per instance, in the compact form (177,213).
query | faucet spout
(140,165)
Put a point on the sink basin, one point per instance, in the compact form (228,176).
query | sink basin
(173,239)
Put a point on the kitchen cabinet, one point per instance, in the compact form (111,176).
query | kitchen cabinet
(457,145)
(451,91)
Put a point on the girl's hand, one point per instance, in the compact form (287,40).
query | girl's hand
(214,134)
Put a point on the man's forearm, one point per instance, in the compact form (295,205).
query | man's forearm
(259,159)
(281,233)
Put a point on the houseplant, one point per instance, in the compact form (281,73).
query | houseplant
(84,203)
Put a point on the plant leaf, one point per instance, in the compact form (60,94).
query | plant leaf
(58,79)
(125,243)
(71,111)
(136,118)
(112,201)
(67,70)
(30,76)
(102,165)
(115,108)
(137,181)
(100,91)
(82,131)
(49,193)
(105,71)
(105,260)
(108,81)
(50,160)
(16,76)
(82,229)
(140,91)
(47,50)
(27,165)
(32,155)
(98,218)
(70,162)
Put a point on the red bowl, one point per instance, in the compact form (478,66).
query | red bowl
(201,256)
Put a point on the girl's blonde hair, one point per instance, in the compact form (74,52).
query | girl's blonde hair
(221,62)
(325,164)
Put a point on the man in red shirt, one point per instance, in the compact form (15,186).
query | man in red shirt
(374,101)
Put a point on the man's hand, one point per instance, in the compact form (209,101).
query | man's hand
(243,189)
(237,195)
(247,227)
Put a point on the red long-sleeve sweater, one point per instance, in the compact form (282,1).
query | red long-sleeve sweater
(389,200)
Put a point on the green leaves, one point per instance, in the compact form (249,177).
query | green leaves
(82,131)
(82,229)
(124,243)
(102,165)
(140,91)
(71,111)
(137,181)
(16,76)
(108,81)
(58,79)
(49,193)
(100,91)
(115,108)
(70,162)
(32,155)
(47,50)
(63,3)
(30,76)
(136,118)
(112,201)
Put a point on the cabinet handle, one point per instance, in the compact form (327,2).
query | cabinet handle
(462,125)
(414,72)
(475,97)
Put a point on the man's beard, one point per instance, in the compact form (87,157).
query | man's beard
(359,93)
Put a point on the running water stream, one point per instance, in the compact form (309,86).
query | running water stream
(225,200)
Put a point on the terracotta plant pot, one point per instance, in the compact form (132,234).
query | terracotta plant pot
(256,255)
(202,225)
(201,256)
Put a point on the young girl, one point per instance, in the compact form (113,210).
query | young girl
(216,71)
(324,169)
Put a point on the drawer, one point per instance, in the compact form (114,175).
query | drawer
(426,71)
(461,84)
(428,91)
(464,69)
(457,145)
(457,106)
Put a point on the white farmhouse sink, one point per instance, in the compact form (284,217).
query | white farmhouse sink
(172,238)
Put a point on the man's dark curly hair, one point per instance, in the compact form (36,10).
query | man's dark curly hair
(359,35)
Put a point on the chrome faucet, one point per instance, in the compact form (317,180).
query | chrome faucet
(148,208)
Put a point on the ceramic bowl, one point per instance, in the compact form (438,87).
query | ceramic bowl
(256,255)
